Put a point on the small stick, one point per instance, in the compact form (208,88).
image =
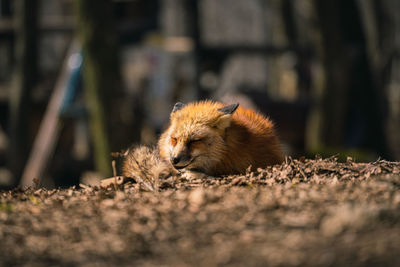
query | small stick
(114,174)
(302,173)
(114,168)
(116,180)
(84,186)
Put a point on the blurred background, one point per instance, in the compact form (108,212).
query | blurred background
(80,79)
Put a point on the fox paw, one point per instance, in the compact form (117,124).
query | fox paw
(191,175)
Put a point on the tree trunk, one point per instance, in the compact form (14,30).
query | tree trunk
(352,112)
(24,81)
(335,61)
(100,73)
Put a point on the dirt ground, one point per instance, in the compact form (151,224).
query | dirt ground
(303,212)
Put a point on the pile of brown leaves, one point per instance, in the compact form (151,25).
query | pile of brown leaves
(304,212)
(294,171)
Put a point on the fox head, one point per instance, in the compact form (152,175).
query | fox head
(195,139)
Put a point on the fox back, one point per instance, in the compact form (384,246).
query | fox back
(215,139)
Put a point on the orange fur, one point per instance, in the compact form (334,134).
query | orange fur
(207,140)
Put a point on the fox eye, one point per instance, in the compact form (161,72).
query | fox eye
(173,141)
(194,141)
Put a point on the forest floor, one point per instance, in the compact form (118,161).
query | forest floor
(304,212)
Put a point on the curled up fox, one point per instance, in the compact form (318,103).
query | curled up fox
(208,138)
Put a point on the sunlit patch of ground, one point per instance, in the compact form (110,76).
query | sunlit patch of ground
(309,212)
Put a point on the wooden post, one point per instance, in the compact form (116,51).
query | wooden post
(47,136)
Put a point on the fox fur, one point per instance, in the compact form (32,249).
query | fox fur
(217,139)
(144,163)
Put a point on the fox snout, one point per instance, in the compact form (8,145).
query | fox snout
(175,160)
(180,161)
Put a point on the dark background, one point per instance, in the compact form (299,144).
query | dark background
(82,78)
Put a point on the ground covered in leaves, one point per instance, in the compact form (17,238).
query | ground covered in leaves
(303,212)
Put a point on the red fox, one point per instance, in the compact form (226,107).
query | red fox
(207,138)
(217,139)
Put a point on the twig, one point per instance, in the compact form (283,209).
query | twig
(117,180)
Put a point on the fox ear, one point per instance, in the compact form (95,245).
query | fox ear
(178,106)
(229,109)
(224,121)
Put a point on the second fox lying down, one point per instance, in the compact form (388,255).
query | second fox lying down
(208,138)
